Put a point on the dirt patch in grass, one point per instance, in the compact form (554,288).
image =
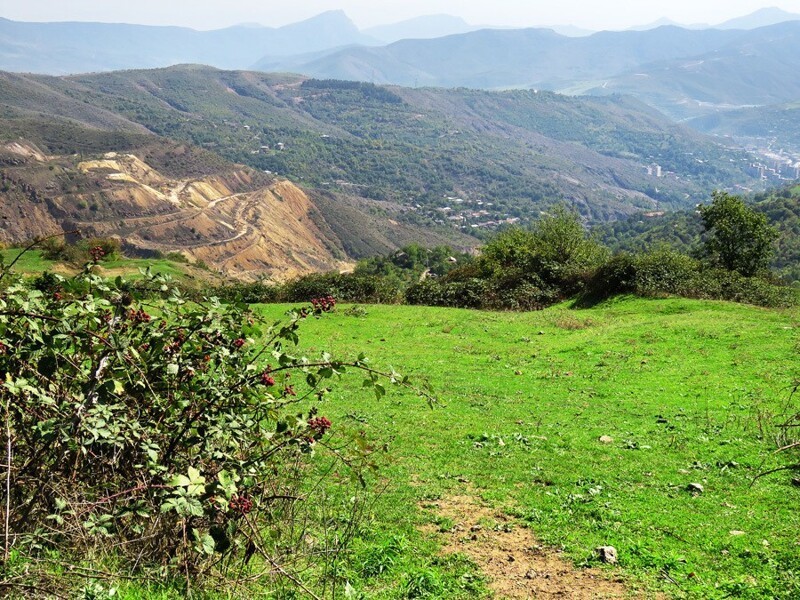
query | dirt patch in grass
(515,564)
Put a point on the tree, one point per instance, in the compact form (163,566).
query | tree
(738,238)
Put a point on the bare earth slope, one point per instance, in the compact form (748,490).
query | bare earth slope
(236,221)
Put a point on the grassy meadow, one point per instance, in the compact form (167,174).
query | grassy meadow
(33,263)
(690,392)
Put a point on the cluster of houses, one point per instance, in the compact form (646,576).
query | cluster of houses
(471,214)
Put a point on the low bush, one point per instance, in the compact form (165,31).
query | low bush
(93,249)
(664,271)
(167,435)
(346,287)
(471,293)
(668,272)
(721,284)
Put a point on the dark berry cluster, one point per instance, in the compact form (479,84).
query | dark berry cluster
(241,504)
(3,348)
(319,425)
(97,253)
(58,296)
(324,304)
(238,343)
(138,316)
(266,378)
(175,345)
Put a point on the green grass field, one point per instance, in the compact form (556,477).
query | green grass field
(32,263)
(689,391)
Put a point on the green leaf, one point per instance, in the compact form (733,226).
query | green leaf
(209,545)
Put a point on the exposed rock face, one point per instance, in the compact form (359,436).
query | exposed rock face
(235,221)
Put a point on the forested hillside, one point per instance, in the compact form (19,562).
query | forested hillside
(469,159)
(681,230)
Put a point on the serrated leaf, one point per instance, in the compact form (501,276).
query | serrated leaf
(209,545)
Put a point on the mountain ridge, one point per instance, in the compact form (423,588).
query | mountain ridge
(79,47)
(519,151)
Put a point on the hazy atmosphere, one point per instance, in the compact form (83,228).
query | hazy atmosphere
(206,14)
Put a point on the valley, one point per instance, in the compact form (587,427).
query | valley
(404,310)
(508,155)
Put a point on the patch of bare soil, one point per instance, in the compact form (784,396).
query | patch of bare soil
(515,565)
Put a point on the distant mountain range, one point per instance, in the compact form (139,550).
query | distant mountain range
(756,67)
(426,27)
(517,58)
(61,48)
(688,73)
(685,73)
(760,18)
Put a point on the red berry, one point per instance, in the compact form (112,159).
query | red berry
(319,425)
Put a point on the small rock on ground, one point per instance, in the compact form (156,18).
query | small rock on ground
(695,488)
(608,554)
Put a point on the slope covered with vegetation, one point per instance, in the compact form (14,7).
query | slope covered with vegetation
(627,424)
(683,230)
(777,123)
(504,155)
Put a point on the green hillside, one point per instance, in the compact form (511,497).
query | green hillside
(507,155)
(776,125)
(525,398)
(682,230)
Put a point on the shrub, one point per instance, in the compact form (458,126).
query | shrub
(531,269)
(368,289)
(57,250)
(523,296)
(166,434)
(471,293)
(110,247)
(664,271)
(175,257)
(667,272)
(721,284)
(617,276)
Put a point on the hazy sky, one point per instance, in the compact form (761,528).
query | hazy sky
(210,14)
